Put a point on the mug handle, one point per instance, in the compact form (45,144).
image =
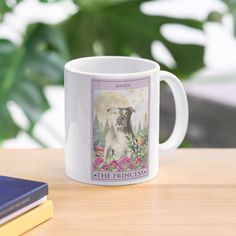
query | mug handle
(181,111)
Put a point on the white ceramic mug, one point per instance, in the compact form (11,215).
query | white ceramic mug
(112,119)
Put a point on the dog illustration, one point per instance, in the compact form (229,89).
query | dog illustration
(120,131)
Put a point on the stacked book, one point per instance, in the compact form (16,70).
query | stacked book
(23,205)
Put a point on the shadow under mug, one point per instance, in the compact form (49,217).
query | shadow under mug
(112,119)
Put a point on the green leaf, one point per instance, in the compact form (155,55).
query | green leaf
(4,8)
(215,16)
(31,99)
(49,1)
(232,10)
(101,27)
(8,128)
(26,70)
(189,58)
(122,29)
(91,5)
(7,6)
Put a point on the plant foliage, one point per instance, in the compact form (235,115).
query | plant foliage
(101,27)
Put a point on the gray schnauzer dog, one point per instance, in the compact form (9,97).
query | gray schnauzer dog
(119,133)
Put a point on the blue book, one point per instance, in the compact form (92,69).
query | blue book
(16,194)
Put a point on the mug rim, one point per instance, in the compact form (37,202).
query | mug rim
(155,66)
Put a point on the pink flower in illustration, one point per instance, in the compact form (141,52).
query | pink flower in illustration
(125,159)
(143,165)
(98,161)
(131,166)
(105,167)
(138,160)
(121,168)
(113,163)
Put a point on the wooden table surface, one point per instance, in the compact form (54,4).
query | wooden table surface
(194,194)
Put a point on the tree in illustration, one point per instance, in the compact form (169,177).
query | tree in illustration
(106,128)
(145,123)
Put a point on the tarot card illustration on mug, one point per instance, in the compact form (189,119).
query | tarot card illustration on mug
(120,129)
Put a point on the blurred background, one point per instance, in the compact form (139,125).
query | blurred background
(193,39)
